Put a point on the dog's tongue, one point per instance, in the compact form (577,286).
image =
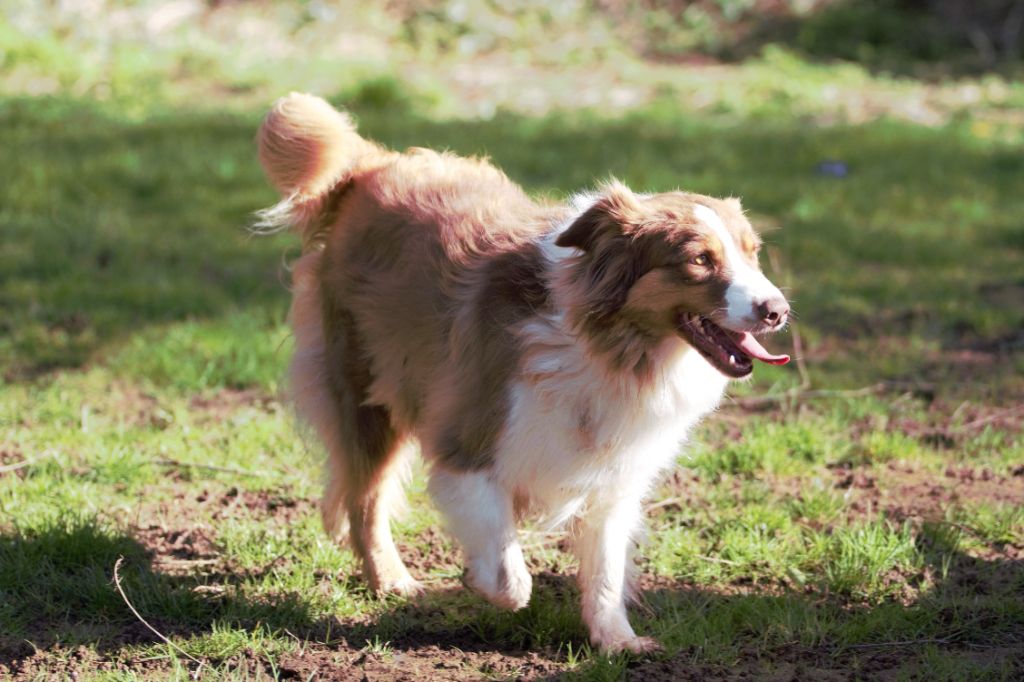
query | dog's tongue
(752,347)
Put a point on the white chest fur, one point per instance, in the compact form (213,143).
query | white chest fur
(579,435)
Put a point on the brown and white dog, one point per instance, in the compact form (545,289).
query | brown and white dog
(547,359)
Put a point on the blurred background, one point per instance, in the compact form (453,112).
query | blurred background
(865,497)
(881,136)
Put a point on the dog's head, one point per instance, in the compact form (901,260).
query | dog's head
(677,263)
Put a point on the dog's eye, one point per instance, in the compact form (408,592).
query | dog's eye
(702,260)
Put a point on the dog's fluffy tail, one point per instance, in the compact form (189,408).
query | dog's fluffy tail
(307,148)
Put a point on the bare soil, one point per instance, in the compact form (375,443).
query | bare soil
(904,491)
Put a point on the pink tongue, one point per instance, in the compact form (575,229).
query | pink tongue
(749,345)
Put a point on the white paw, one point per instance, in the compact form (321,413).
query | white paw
(614,637)
(516,584)
(506,584)
(633,645)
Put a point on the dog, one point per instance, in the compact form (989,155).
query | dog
(547,359)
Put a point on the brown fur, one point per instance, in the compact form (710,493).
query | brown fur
(432,284)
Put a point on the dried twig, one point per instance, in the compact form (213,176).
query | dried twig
(716,560)
(906,642)
(174,561)
(547,539)
(797,394)
(207,467)
(663,503)
(794,330)
(117,584)
(17,465)
(798,357)
(982,421)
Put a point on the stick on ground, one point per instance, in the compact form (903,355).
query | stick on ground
(117,584)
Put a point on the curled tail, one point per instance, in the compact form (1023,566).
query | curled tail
(306,148)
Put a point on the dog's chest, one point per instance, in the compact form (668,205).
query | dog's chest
(575,429)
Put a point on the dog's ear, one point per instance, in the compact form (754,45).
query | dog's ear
(610,215)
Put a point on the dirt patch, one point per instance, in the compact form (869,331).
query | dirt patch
(903,491)
(185,543)
(822,664)
(188,506)
(178,534)
(132,406)
(59,663)
(273,506)
(224,403)
(135,407)
(414,664)
(9,456)
(947,427)
(432,549)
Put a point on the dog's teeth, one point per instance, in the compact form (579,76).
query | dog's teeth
(732,359)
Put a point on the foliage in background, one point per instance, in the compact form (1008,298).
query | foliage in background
(469,58)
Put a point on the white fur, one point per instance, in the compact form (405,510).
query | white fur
(748,286)
(586,444)
(600,476)
(479,513)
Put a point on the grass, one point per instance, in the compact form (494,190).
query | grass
(143,342)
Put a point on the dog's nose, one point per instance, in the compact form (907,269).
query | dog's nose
(773,311)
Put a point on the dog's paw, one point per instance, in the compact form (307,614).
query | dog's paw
(405,586)
(507,584)
(614,643)
(639,645)
(516,584)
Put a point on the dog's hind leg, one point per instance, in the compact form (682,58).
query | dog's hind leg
(366,470)
(365,479)
(480,515)
(366,458)
(369,505)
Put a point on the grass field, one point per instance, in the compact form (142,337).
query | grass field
(859,518)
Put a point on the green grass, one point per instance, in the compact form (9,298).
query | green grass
(143,342)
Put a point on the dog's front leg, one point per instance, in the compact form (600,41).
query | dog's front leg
(603,547)
(479,513)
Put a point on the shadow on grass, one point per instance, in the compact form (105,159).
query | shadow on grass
(56,590)
(115,229)
(934,39)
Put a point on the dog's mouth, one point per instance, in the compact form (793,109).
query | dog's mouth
(731,353)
